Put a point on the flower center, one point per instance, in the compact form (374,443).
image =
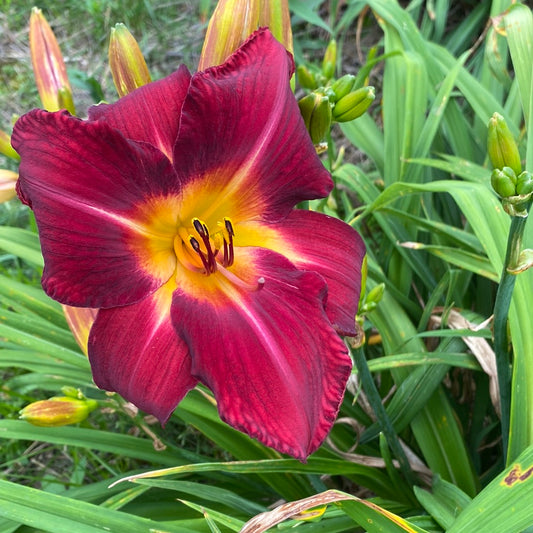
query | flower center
(200,251)
(206,253)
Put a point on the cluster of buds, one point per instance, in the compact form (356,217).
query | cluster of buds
(59,410)
(330,100)
(513,185)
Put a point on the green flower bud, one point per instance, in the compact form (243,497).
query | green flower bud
(330,60)
(376,294)
(524,183)
(56,412)
(354,104)
(342,86)
(503,183)
(316,112)
(501,146)
(305,77)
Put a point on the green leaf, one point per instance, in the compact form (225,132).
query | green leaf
(445,503)
(22,243)
(121,445)
(503,505)
(50,512)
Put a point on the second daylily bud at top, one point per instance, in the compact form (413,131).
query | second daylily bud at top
(329,62)
(316,112)
(233,21)
(354,104)
(57,411)
(126,61)
(48,65)
(274,14)
(501,146)
(231,24)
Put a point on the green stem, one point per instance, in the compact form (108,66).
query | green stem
(501,312)
(382,417)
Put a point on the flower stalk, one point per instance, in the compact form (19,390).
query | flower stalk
(501,312)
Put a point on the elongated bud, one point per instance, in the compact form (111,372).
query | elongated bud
(316,112)
(276,17)
(305,77)
(5,146)
(342,87)
(48,65)
(8,181)
(80,321)
(126,61)
(524,183)
(503,181)
(376,293)
(56,412)
(234,20)
(231,24)
(329,62)
(354,104)
(501,146)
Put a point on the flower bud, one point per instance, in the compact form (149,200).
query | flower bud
(231,24)
(524,183)
(8,181)
(59,411)
(126,61)
(501,146)
(5,146)
(305,77)
(274,14)
(342,87)
(329,62)
(376,293)
(503,181)
(48,65)
(80,321)
(233,21)
(354,104)
(316,112)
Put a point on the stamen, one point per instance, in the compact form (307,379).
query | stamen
(228,246)
(203,232)
(196,247)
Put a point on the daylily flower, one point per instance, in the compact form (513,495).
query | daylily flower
(172,212)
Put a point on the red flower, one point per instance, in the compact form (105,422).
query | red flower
(172,211)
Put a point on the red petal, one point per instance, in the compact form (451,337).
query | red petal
(135,351)
(313,241)
(274,363)
(84,182)
(241,129)
(150,113)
